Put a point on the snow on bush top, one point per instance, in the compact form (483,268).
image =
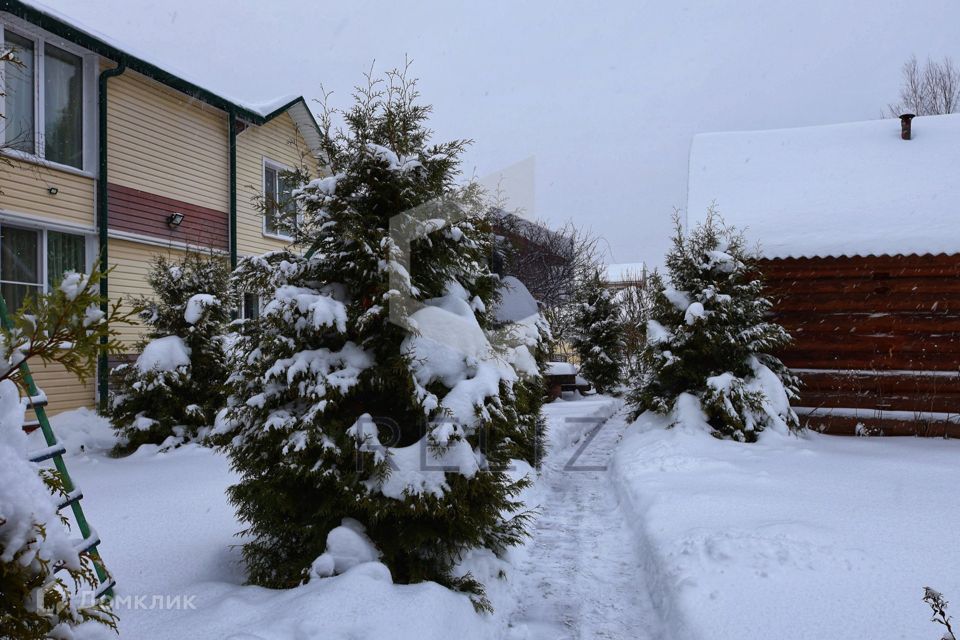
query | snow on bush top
(846,189)
(80,430)
(322,310)
(196,306)
(452,348)
(73,283)
(164,354)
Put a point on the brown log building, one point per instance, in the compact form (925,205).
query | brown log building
(859,230)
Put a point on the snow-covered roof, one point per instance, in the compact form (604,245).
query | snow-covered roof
(559,369)
(625,272)
(72,30)
(845,189)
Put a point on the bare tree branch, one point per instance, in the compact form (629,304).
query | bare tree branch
(933,89)
(551,263)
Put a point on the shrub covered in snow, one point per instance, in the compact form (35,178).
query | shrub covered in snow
(174,389)
(40,569)
(598,335)
(369,388)
(708,335)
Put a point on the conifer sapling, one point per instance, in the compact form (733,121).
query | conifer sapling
(368,390)
(709,335)
(598,335)
(173,391)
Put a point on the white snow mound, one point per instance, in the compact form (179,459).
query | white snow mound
(347,547)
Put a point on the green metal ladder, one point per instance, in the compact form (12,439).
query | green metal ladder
(54,451)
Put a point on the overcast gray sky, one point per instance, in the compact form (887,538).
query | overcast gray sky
(605,98)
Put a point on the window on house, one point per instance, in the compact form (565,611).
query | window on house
(63,107)
(20,266)
(280,216)
(65,252)
(34,260)
(251,306)
(19,86)
(43,102)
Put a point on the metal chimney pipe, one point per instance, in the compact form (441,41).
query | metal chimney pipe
(905,125)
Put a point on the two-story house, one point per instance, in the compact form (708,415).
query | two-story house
(113,157)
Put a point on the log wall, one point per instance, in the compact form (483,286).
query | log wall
(876,340)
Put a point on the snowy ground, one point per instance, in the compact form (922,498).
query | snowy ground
(789,538)
(168,532)
(684,537)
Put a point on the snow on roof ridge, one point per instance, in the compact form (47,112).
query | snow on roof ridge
(823,126)
(266,107)
(841,189)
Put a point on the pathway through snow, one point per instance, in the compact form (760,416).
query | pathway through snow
(583,578)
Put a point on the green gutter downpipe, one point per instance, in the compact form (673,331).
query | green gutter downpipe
(232,224)
(232,114)
(103,202)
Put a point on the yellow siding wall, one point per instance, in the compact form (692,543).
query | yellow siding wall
(64,391)
(24,188)
(279,141)
(162,142)
(25,185)
(128,280)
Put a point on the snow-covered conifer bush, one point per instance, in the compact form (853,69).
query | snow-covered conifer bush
(709,335)
(36,600)
(369,387)
(598,335)
(174,389)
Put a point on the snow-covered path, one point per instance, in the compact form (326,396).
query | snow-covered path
(583,578)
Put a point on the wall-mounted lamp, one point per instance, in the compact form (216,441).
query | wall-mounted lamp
(174,219)
(53,191)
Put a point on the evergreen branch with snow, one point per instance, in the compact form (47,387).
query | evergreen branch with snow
(43,578)
(65,326)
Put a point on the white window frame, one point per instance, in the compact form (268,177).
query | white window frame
(90,248)
(279,168)
(89,63)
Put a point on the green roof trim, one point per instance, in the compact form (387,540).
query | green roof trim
(68,32)
(283,109)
